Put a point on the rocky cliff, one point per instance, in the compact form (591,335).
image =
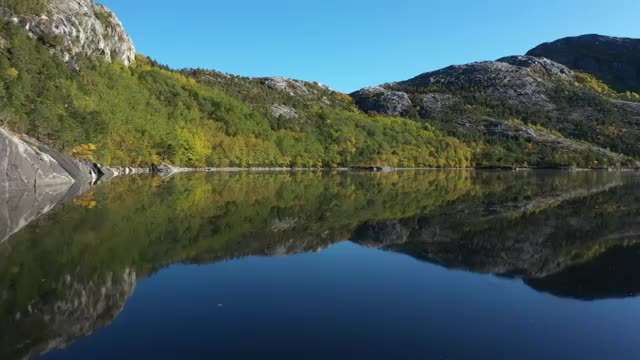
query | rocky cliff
(611,59)
(76,28)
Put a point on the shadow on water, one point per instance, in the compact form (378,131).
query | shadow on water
(71,271)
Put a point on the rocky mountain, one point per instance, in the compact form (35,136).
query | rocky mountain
(613,60)
(74,28)
(518,111)
(533,92)
(518,80)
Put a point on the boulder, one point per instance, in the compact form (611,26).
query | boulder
(165,168)
(25,165)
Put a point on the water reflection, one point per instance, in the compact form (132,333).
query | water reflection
(72,270)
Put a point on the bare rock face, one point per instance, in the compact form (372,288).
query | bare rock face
(492,79)
(433,103)
(291,86)
(536,90)
(24,166)
(30,164)
(34,179)
(541,65)
(79,27)
(284,111)
(519,80)
(383,101)
(611,59)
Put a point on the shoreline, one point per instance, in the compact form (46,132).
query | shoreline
(175,170)
(36,201)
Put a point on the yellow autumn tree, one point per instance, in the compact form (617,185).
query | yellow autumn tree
(84,151)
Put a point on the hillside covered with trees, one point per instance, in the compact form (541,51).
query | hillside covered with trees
(145,113)
(148,113)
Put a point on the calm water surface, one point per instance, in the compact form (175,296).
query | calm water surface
(401,265)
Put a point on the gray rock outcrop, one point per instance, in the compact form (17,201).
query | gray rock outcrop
(532,90)
(542,65)
(433,103)
(29,164)
(519,80)
(34,179)
(292,86)
(383,101)
(613,60)
(519,85)
(74,28)
(284,111)
(25,166)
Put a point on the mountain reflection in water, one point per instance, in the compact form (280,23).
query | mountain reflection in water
(71,271)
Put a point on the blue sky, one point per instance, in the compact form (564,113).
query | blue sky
(349,44)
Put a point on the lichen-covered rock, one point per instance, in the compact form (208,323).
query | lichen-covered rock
(383,101)
(74,28)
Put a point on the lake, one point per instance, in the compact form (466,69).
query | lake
(316,265)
